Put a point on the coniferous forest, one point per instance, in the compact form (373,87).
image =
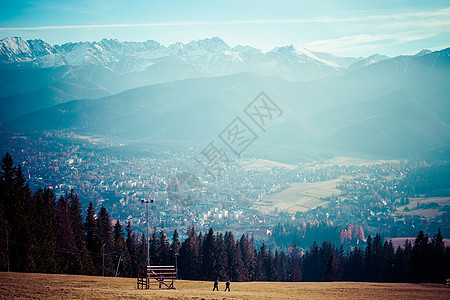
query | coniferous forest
(40,233)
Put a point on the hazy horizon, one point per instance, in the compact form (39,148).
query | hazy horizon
(348,28)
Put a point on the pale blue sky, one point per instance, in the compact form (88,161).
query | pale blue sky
(346,27)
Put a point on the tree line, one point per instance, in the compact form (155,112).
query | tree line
(49,235)
(431,180)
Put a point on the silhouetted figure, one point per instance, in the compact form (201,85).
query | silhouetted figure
(227,285)
(216,285)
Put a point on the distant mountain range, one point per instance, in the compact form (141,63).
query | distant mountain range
(397,107)
(208,56)
(36,75)
(143,63)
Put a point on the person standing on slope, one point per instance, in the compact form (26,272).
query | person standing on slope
(227,285)
(216,285)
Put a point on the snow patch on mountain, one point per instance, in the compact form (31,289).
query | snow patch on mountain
(368,61)
(423,52)
(112,52)
(297,54)
(205,57)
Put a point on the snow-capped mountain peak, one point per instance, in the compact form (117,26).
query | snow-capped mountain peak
(423,52)
(212,44)
(208,57)
(246,49)
(301,55)
(17,50)
(375,58)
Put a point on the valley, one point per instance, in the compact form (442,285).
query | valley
(297,149)
(340,149)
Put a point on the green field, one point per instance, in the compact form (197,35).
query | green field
(46,286)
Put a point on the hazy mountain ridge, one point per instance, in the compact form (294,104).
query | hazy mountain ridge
(396,107)
(109,52)
(35,75)
(208,57)
(60,92)
(368,61)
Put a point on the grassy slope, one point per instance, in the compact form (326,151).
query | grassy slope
(38,286)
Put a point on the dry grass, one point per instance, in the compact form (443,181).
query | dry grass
(353,161)
(264,165)
(45,286)
(427,212)
(299,196)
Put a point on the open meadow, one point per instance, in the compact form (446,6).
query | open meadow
(49,286)
(299,196)
(354,161)
(425,210)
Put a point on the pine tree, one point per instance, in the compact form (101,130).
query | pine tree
(437,259)
(234,258)
(330,272)
(368,260)
(400,268)
(276,266)
(85,263)
(155,260)
(7,182)
(354,266)
(387,262)
(209,257)
(15,200)
(163,249)
(7,172)
(262,261)
(120,250)
(69,255)
(92,241)
(446,265)
(340,259)
(248,258)
(44,235)
(420,256)
(377,258)
(190,261)
(105,244)
(237,270)
(312,264)
(270,266)
(230,251)
(132,243)
(174,247)
(141,251)
(221,261)
(408,253)
(296,261)
(283,267)
(23,198)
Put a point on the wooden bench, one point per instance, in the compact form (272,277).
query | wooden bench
(156,276)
